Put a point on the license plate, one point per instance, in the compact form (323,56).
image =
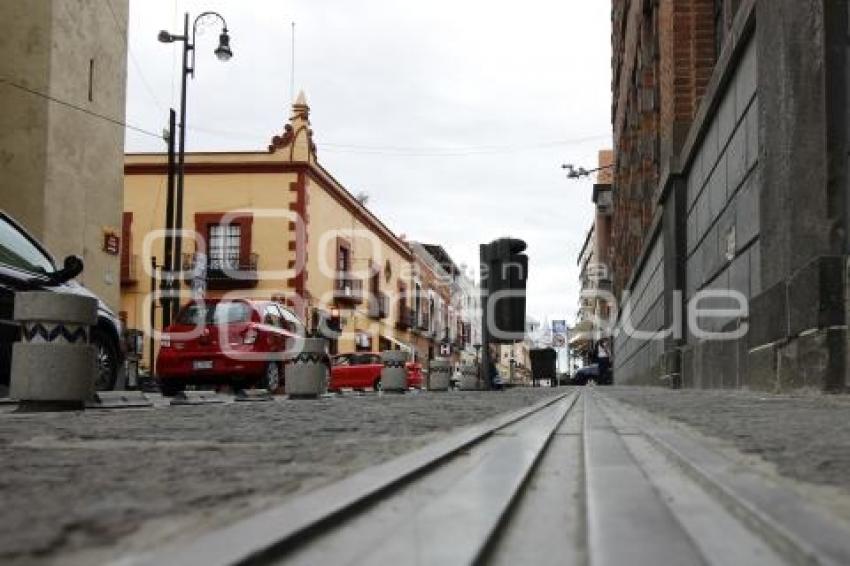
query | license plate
(202,364)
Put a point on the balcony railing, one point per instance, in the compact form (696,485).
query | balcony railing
(129,270)
(406,318)
(222,274)
(347,289)
(379,306)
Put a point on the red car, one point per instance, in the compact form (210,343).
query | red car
(363,370)
(233,342)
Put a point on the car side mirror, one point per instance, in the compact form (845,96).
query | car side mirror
(71,267)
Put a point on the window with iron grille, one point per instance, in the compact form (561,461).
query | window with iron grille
(224,244)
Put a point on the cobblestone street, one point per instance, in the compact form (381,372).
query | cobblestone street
(92,487)
(74,483)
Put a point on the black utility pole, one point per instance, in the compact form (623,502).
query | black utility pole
(181,162)
(486,362)
(224,53)
(168,286)
(153,316)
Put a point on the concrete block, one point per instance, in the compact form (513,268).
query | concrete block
(394,373)
(469,380)
(308,374)
(439,375)
(53,372)
(56,307)
(761,368)
(54,362)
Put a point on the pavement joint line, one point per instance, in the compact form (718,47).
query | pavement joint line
(258,537)
(748,496)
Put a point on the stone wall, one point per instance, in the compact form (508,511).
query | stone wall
(61,167)
(723,187)
(638,358)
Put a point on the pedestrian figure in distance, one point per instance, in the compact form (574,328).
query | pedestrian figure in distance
(603,358)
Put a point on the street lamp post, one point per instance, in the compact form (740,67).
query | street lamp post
(223,53)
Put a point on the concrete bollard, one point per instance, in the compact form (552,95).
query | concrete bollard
(394,372)
(308,374)
(469,377)
(53,366)
(439,375)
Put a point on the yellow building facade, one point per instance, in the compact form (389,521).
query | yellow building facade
(270,224)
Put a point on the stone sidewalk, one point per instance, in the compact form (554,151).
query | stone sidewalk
(83,488)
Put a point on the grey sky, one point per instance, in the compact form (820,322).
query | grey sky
(453,115)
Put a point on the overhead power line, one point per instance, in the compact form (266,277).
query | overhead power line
(411,151)
(79,108)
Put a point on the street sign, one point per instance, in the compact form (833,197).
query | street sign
(445,349)
(111,243)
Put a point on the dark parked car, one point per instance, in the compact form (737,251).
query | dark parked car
(591,373)
(26,266)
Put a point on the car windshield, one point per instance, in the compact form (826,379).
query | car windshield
(17,251)
(218,313)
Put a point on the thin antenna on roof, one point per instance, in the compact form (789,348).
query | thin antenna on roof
(292,68)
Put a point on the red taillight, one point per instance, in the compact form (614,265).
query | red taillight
(250,336)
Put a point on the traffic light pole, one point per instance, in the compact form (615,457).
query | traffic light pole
(486,362)
(499,261)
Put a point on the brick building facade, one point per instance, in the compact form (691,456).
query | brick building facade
(663,55)
(730,129)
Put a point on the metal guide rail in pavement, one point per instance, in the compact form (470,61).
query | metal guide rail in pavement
(576,479)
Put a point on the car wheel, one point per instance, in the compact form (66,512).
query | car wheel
(107,361)
(271,377)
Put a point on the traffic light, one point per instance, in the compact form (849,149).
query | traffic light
(506,278)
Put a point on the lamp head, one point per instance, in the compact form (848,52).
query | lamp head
(223,51)
(165,37)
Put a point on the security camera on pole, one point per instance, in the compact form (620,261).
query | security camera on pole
(504,274)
